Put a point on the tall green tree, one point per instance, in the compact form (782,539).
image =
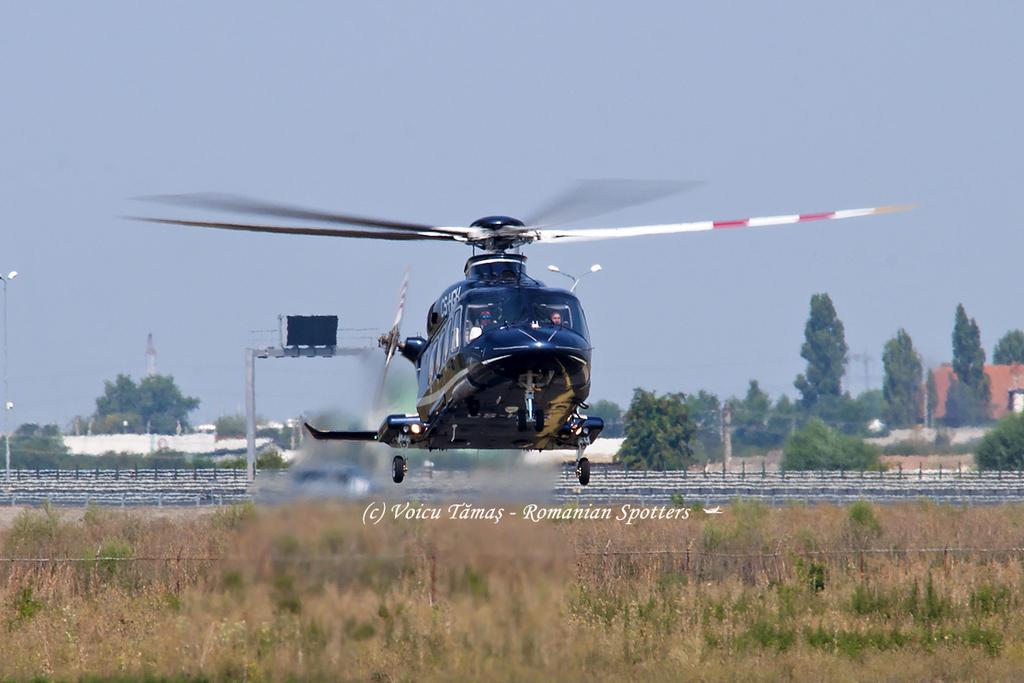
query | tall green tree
(968,399)
(705,410)
(659,432)
(611,413)
(155,403)
(782,421)
(825,351)
(1009,349)
(33,445)
(750,418)
(932,392)
(901,388)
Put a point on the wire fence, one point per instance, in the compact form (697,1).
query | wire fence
(694,551)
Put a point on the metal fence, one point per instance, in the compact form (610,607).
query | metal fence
(610,484)
(200,486)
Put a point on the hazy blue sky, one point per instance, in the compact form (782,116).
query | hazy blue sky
(448,111)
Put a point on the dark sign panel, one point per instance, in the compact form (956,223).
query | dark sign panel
(312,330)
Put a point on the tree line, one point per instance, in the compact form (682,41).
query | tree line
(823,427)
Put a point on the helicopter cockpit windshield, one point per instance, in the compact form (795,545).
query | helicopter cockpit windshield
(486,308)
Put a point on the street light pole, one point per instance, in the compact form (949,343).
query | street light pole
(7,403)
(575,280)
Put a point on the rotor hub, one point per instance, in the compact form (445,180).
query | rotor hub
(497,222)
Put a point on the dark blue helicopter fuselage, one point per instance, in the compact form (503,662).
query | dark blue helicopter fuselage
(496,342)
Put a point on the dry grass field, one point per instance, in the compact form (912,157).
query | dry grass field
(307,592)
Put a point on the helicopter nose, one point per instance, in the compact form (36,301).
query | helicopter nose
(519,347)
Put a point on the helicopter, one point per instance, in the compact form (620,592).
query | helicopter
(506,360)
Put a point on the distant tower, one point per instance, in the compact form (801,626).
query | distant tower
(150,356)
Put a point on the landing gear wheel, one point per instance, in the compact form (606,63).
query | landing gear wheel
(583,471)
(399,468)
(521,416)
(538,422)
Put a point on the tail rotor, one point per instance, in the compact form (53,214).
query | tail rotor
(391,342)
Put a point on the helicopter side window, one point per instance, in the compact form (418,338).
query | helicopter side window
(444,341)
(432,367)
(456,330)
(428,362)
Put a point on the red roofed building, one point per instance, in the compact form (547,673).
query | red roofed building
(1004,380)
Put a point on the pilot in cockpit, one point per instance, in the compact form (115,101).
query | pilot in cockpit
(556,318)
(483,321)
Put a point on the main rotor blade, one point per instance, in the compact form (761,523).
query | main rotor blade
(591,234)
(589,198)
(292,230)
(258,207)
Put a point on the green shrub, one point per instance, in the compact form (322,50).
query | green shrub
(991,599)
(819,447)
(26,605)
(862,521)
(284,594)
(1003,447)
(112,558)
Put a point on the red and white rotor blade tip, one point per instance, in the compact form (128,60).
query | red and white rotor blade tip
(590,234)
